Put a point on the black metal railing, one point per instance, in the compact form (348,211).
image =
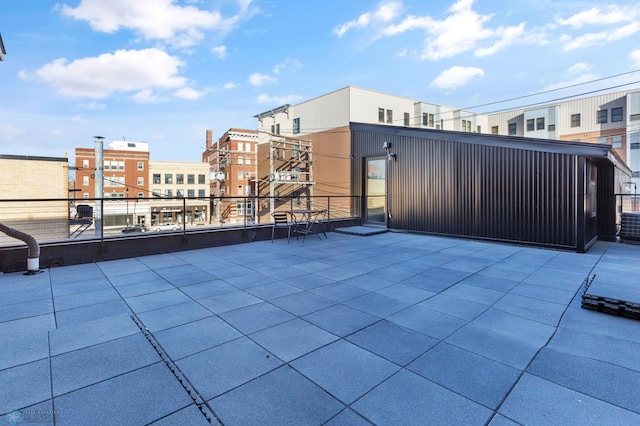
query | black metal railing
(626,203)
(99,218)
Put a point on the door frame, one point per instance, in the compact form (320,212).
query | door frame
(365,191)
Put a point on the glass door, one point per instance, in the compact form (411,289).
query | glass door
(376,191)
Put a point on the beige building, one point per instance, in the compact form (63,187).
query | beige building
(322,124)
(180,191)
(354,104)
(612,119)
(34,178)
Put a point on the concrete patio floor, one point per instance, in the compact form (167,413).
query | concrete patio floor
(388,329)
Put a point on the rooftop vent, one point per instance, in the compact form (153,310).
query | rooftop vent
(630,226)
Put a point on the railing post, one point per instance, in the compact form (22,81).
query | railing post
(184,215)
(101,224)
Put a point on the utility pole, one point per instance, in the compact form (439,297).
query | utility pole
(99,183)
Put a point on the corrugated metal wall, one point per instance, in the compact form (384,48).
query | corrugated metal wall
(474,190)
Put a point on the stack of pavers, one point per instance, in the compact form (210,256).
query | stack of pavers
(608,305)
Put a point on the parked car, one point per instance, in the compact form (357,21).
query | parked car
(168,226)
(138,227)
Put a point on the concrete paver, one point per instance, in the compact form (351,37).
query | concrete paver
(392,328)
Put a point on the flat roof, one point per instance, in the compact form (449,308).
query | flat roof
(32,158)
(436,329)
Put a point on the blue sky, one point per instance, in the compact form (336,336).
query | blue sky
(164,71)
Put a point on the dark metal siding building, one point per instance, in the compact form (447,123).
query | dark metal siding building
(532,191)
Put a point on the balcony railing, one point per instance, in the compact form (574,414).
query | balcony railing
(50,220)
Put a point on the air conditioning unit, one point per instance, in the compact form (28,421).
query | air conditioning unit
(630,226)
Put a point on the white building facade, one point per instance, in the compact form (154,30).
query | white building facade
(610,118)
(353,104)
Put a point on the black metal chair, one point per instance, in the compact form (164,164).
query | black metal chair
(319,220)
(281,220)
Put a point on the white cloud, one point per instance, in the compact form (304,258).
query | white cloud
(635,58)
(293,65)
(461,31)
(220,51)
(257,79)
(278,100)
(595,16)
(122,71)
(188,93)
(385,13)
(603,37)
(146,96)
(584,78)
(455,77)
(152,19)
(507,36)
(244,4)
(579,67)
(230,85)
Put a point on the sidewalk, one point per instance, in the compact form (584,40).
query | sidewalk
(385,329)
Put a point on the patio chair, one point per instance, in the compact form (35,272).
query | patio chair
(281,220)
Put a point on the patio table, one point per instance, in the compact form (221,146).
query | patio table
(305,219)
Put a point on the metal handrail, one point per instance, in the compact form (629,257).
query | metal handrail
(55,219)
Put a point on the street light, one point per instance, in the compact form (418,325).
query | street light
(126,195)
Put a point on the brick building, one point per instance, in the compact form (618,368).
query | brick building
(126,171)
(233,161)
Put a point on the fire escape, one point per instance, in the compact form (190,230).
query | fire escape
(222,160)
(290,169)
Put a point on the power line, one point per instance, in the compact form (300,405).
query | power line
(471,115)
(314,130)
(568,97)
(556,90)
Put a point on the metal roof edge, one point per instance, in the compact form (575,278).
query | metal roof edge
(32,158)
(515,142)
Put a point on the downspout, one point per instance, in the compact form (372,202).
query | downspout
(33,249)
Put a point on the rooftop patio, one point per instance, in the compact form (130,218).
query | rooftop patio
(392,328)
